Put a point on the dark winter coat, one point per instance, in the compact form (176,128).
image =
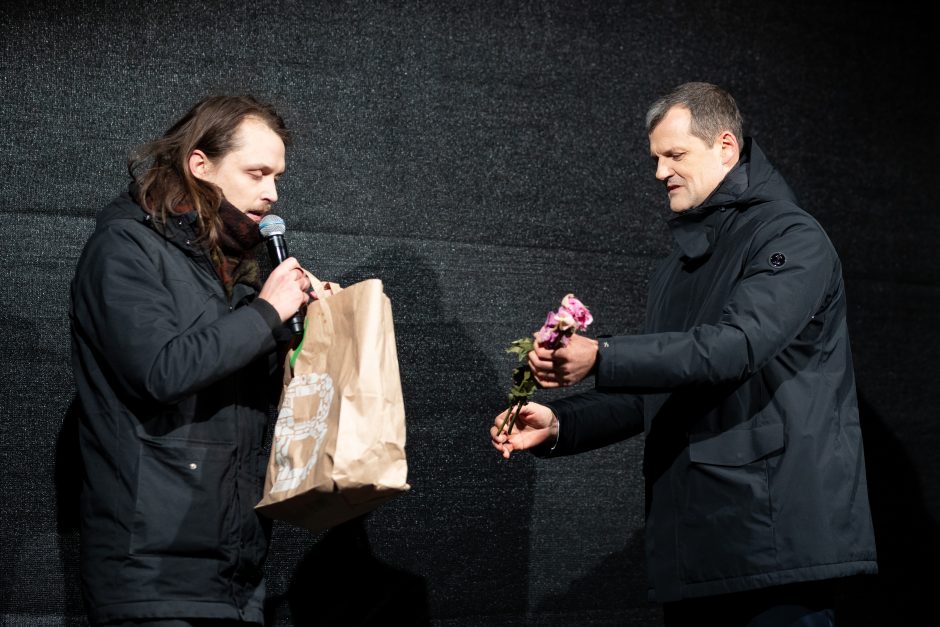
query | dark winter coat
(175,384)
(744,385)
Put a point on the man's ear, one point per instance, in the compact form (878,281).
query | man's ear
(199,164)
(730,150)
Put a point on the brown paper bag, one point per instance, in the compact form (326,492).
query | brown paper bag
(339,442)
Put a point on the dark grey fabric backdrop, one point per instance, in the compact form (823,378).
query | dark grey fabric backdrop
(483,159)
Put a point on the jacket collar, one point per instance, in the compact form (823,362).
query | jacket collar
(695,230)
(179,229)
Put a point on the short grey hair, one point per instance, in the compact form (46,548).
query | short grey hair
(713,110)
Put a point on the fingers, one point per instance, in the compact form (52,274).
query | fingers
(551,367)
(507,450)
(546,373)
(326,288)
(498,437)
(539,364)
(289,264)
(543,353)
(305,283)
(534,423)
(291,270)
(502,443)
(286,288)
(507,443)
(497,432)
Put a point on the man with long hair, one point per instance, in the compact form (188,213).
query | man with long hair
(176,346)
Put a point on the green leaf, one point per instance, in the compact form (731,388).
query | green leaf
(523,383)
(521,347)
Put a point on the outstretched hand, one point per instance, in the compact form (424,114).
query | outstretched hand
(534,424)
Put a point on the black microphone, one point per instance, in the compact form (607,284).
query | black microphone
(272,230)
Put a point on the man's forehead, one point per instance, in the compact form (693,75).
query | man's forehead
(259,145)
(674,132)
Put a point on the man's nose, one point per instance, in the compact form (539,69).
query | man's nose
(270,192)
(663,171)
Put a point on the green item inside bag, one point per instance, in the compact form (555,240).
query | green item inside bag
(296,351)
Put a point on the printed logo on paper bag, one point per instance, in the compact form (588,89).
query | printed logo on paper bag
(289,431)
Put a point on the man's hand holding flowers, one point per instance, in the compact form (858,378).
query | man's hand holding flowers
(563,366)
(535,424)
(560,357)
(555,356)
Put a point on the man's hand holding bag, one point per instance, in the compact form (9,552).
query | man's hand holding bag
(339,442)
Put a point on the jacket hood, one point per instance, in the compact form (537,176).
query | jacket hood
(180,231)
(753,181)
(764,182)
(124,207)
(127,207)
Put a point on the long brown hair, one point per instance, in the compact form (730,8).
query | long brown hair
(210,126)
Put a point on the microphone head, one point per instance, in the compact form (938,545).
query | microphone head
(272,225)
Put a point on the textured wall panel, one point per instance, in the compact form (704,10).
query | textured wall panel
(483,159)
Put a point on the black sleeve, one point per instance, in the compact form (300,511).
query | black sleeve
(593,419)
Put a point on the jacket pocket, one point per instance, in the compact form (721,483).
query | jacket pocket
(726,521)
(736,447)
(184,500)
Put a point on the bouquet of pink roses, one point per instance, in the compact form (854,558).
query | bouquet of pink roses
(559,326)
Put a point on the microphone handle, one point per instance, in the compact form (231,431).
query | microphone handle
(296,322)
(277,251)
(277,248)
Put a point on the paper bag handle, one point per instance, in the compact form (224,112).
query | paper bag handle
(316,286)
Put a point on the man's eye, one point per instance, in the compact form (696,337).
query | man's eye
(255,175)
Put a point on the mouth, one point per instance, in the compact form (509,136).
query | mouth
(256,214)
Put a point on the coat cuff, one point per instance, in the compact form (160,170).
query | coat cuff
(267,311)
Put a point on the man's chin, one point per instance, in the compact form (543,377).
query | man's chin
(678,202)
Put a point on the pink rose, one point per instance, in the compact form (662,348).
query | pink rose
(548,336)
(582,316)
(559,326)
(564,320)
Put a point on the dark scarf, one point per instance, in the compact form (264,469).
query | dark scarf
(235,259)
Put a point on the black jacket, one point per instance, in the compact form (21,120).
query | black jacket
(175,384)
(744,385)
